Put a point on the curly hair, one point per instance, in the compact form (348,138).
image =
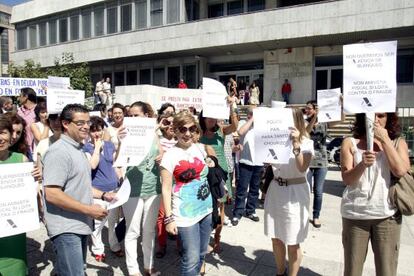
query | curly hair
(20,145)
(392,126)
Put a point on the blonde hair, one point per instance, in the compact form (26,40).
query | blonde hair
(183,118)
(299,123)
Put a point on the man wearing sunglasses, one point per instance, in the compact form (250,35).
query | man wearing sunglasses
(69,195)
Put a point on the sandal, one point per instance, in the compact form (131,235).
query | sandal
(161,252)
(203,269)
(119,253)
(100,258)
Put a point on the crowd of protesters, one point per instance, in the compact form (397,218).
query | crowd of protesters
(194,166)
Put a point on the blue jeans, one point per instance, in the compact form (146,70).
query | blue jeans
(249,180)
(318,176)
(70,250)
(286,97)
(194,243)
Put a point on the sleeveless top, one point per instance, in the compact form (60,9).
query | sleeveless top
(217,143)
(368,199)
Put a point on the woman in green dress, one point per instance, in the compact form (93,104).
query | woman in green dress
(13,260)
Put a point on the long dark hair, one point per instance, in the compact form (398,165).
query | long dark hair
(20,146)
(392,126)
(203,123)
(40,107)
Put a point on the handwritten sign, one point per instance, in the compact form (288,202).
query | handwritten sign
(58,82)
(12,86)
(138,141)
(272,135)
(18,203)
(370,83)
(57,99)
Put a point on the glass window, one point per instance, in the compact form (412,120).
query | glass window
(215,10)
(173,11)
(405,68)
(190,75)
(173,76)
(235,7)
(126,18)
(99,21)
(63,30)
(4,46)
(159,77)
(52,32)
(119,79)
(33,36)
(141,14)
(112,20)
(21,38)
(256,5)
(74,27)
(156,12)
(132,77)
(145,76)
(192,10)
(86,24)
(42,34)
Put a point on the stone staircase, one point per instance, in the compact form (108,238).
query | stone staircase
(340,129)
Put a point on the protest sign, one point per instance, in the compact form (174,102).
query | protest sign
(122,195)
(370,77)
(18,203)
(156,96)
(272,135)
(58,82)
(12,86)
(95,113)
(137,142)
(215,100)
(57,99)
(329,105)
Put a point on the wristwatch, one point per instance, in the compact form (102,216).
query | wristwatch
(296,151)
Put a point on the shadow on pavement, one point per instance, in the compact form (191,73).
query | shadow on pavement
(38,261)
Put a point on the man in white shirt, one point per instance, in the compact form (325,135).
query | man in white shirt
(107,92)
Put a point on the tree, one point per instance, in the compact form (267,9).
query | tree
(64,66)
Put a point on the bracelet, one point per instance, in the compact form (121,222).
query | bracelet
(102,196)
(169,219)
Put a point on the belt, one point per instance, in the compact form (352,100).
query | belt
(290,181)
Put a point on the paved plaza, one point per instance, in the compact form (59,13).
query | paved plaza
(246,250)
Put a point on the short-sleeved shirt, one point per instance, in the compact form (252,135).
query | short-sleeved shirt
(104,176)
(191,198)
(66,165)
(29,117)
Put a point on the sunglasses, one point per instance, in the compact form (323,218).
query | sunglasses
(191,129)
(166,122)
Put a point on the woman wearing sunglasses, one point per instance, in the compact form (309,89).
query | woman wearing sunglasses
(187,199)
(144,201)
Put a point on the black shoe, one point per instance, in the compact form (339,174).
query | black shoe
(253,217)
(235,221)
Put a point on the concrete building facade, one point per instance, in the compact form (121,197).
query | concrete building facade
(160,41)
(6,38)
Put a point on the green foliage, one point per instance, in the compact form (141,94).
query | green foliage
(64,66)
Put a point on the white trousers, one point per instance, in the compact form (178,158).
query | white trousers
(137,210)
(98,248)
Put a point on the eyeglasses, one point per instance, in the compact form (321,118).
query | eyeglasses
(192,129)
(165,122)
(82,123)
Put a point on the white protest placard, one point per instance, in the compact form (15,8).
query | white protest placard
(57,99)
(58,82)
(122,195)
(370,83)
(12,86)
(329,105)
(215,100)
(95,113)
(157,95)
(18,203)
(272,135)
(137,142)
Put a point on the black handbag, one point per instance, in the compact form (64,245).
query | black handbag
(268,177)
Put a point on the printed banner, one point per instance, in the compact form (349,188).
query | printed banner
(58,82)
(18,203)
(137,143)
(329,104)
(12,86)
(156,96)
(272,135)
(215,100)
(370,83)
(57,99)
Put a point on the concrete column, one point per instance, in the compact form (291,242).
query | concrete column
(203,9)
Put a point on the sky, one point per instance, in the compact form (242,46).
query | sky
(12,2)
